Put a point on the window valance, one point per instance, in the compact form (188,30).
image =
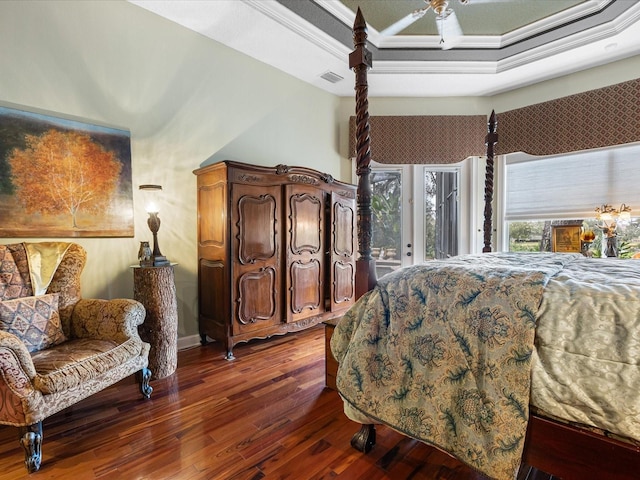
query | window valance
(594,119)
(440,139)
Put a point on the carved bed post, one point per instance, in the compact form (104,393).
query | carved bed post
(360,62)
(490,140)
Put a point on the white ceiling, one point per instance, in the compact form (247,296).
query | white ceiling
(308,38)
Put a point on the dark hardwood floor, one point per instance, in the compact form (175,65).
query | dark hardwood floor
(266,414)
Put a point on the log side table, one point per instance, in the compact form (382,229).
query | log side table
(155,288)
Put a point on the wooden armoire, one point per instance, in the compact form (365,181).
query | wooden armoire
(276,250)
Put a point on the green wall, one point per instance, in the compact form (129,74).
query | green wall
(189,101)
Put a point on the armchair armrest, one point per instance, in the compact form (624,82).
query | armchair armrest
(16,366)
(116,319)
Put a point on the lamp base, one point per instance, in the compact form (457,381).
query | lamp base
(160,261)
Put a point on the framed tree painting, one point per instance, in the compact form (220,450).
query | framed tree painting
(63,178)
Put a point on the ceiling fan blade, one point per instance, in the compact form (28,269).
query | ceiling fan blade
(404,22)
(449,29)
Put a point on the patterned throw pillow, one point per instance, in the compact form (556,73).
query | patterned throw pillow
(34,320)
(14,272)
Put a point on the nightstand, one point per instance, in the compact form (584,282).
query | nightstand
(155,288)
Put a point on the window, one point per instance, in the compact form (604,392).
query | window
(540,190)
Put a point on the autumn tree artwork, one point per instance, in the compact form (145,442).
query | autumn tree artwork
(63,178)
(64,172)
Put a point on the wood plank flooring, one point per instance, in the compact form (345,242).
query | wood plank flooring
(266,414)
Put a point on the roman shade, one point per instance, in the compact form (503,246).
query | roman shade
(571,185)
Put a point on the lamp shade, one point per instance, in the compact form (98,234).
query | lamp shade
(151,193)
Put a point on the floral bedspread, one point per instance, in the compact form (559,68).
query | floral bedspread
(442,352)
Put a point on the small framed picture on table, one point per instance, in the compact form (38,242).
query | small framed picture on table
(566,239)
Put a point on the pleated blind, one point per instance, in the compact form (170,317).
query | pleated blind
(572,185)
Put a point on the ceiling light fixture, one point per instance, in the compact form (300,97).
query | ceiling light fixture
(446,22)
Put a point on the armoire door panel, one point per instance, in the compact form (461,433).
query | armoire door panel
(212,227)
(304,253)
(257,299)
(344,223)
(342,258)
(211,302)
(306,227)
(256,224)
(343,286)
(306,281)
(255,247)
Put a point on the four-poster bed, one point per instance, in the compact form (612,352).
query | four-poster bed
(553,446)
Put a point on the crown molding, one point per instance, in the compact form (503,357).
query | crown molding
(288,19)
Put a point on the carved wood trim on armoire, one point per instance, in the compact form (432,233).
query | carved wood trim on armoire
(276,250)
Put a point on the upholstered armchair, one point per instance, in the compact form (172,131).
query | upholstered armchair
(55,347)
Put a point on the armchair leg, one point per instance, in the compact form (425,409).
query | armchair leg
(31,441)
(144,376)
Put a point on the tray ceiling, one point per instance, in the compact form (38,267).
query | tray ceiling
(506,43)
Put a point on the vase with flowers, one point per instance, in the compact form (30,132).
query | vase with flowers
(587,236)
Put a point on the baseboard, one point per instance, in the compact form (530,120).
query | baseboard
(188,342)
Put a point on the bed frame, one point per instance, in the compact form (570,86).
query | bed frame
(565,451)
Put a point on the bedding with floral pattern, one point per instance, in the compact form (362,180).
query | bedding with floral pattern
(442,352)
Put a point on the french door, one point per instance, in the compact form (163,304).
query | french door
(415,214)
(391,242)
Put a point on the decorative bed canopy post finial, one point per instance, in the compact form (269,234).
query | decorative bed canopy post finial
(490,140)
(360,62)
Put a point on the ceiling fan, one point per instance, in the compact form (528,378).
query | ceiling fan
(446,20)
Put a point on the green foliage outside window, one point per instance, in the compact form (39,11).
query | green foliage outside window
(527,236)
(386,207)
